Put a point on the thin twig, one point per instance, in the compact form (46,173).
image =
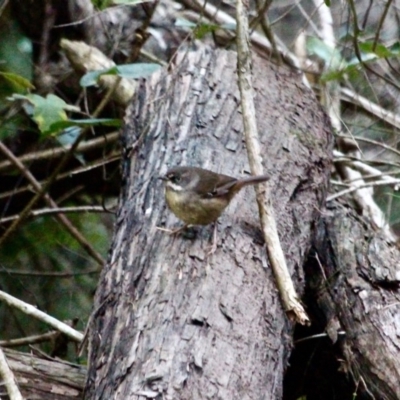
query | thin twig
(220,17)
(387,176)
(58,151)
(361,193)
(50,274)
(284,14)
(366,16)
(62,218)
(356,33)
(392,67)
(374,142)
(40,315)
(58,210)
(309,22)
(261,12)
(3,6)
(141,34)
(385,115)
(48,24)
(380,25)
(67,174)
(330,91)
(363,196)
(352,161)
(263,19)
(8,379)
(290,300)
(352,189)
(44,188)
(34,339)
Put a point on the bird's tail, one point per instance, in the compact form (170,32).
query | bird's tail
(253,180)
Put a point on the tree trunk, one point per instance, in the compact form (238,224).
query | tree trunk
(354,276)
(169,321)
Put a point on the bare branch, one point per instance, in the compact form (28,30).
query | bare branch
(58,210)
(356,33)
(385,115)
(79,170)
(62,218)
(40,315)
(381,21)
(383,182)
(8,379)
(290,300)
(220,17)
(374,142)
(52,274)
(330,91)
(56,152)
(34,339)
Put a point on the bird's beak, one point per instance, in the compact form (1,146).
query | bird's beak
(162,177)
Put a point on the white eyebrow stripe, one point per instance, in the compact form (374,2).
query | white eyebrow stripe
(174,187)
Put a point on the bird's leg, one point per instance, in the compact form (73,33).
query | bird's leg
(172,231)
(213,247)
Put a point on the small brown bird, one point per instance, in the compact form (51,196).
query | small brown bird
(198,196)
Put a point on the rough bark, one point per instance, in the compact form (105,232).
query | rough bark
(45,379)
(169,322)
(355,276)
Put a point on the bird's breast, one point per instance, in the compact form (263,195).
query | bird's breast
(193,209)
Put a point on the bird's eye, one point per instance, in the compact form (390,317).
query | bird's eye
(176,178)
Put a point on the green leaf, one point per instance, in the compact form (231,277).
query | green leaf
(61,125)
(91,78)
(229,27)
(380,50)
(19,81)
(365,57)
(68,138)
(130,2)
(202,30)
(328,54)
(395,48)
(138,70)
(131,71)
(334,75)
(46,111)
(184,23)
(69,135)
(369,53)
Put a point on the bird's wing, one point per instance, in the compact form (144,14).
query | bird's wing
(223,186)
